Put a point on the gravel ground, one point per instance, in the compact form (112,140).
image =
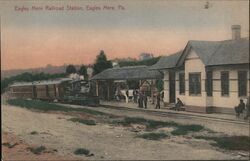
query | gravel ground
(103,140)
(21,152)
(224,127)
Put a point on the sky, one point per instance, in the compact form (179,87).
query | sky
(33,38)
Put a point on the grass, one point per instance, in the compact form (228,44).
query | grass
(229,142)
(185,129)
(37,150)
(81,151)
(153,136)
(34,133)
(46,106)
(152,124)
(9,145)
(83,121)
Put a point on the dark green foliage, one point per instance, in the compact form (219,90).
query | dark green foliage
(147,62)
(29,77)
(159,84)
(34,133)
(185,129)
(101,63)
(83,71)
(150,124)
(83,121)
(153,136)
(9,145)
(81,151)
(158,124)
(70,69)
(229,142)
(37,150)
(45,106)
(133,84)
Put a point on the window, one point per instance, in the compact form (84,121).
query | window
(194,83)
(242,83)
(182,83)
(224,83)
(209,83)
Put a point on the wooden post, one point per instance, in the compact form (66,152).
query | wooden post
(55,90)
(96,88)
(108,91)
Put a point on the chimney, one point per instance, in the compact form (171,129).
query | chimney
(236,32)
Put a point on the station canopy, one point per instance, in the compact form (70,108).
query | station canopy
(128,73)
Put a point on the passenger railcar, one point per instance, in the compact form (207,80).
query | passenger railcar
(63,90)
(44,90)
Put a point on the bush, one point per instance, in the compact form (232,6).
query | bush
(147,62)
(229,142)
(37,150)
(153,136)
(150,124)
(9,145)
(83,121)
(34,133)
(81,151)
(185,129)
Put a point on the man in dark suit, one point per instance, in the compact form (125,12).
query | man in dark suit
(158,100)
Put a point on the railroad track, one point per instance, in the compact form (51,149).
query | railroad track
(179,115)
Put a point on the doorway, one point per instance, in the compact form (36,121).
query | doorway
(171,87)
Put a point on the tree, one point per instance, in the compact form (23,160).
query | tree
(147,62)
(159,84)
(83,71)
(70,69)
(133,84)
(101,63)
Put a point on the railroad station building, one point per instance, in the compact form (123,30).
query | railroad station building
(108,81)
(208,76)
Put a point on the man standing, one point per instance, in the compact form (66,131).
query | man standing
(140,100)
(239,109)
(158,100)
(247,109)
(135,96)
(145,100)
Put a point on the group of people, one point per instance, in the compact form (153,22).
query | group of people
(142,99)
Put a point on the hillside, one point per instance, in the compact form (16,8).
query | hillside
(48,69)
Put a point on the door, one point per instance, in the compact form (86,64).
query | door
(171,86)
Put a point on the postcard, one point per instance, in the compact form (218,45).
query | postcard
(125,80)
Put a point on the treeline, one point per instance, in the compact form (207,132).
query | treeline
(29,77)
(147,62)
(101,63)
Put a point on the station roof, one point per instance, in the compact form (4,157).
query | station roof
(167,62)
(128,73)
(227,52)
(211,53)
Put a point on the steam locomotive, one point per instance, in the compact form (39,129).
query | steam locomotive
(63,90)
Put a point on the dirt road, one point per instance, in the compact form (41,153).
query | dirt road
(103,140)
